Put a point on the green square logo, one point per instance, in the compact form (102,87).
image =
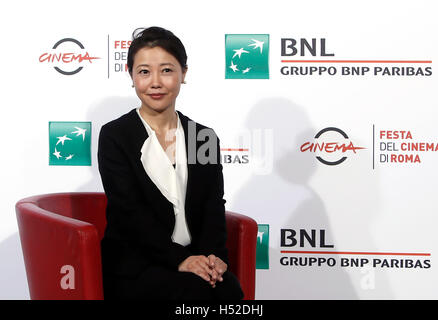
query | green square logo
(262,253)
(247,56)
(70,143)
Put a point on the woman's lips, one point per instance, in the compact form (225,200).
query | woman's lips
(156,96)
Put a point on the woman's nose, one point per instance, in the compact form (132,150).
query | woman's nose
(156,81)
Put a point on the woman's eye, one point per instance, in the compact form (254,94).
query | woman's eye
(167,70)
(144,71)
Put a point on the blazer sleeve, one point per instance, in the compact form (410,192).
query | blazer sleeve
(214,231)
(132,216)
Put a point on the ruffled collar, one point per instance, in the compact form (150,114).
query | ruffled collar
(169,180)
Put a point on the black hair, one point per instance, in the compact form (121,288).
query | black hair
(156,37)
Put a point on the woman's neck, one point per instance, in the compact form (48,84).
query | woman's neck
(160,122)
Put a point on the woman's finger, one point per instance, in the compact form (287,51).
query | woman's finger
(204,259)
(221,266)
(214,274)
(212,260)
(204,266)
(202,274)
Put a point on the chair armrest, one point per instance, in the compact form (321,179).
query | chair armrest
(241,244)
(50,241)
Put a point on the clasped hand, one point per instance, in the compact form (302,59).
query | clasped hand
(209,268)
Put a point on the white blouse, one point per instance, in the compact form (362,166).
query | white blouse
(172,182)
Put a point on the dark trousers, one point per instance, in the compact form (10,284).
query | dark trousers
(158,283)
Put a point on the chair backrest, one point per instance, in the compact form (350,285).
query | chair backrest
(61,249)
(84,206)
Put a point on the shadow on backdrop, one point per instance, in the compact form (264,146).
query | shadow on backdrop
(285,199)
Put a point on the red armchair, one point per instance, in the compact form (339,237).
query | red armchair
(65,229)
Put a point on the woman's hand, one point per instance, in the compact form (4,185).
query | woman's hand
(218,266)
(199,265)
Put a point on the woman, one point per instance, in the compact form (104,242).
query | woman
(166,231)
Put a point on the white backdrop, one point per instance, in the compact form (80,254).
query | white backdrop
(390,208)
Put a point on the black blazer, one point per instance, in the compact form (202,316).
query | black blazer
(140,220)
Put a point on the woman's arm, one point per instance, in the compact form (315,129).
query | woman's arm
(213,230)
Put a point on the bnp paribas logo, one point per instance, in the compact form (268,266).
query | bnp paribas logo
(247,56)
(262,253)
(70,143)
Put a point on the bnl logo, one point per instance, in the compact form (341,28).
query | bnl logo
(262,254)
(69,143)
(247,56)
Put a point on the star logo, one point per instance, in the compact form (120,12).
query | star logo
(257,44)
(57,154)
(80,132)
(246,70)
(69,143)
(239,52)
(260,236)
(233,67)
(247,56)
(262,253)
(62,139)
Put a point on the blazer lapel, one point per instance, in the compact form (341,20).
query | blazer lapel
(158,167)
(135,139)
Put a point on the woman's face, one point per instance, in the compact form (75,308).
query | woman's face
(157,77)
